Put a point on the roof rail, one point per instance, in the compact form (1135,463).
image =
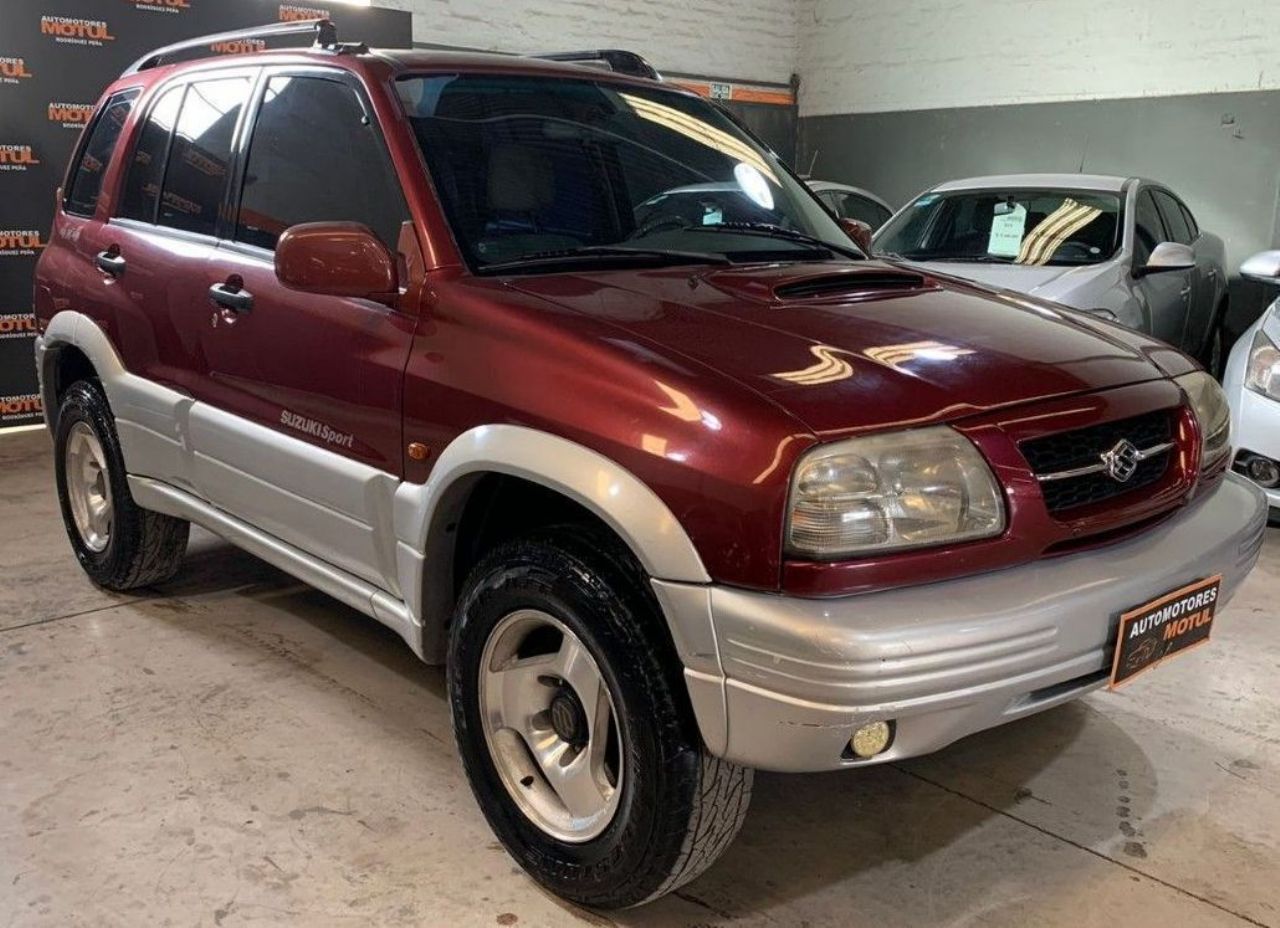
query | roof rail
(325,31)
(618,60)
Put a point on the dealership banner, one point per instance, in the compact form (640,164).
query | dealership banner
(56,57)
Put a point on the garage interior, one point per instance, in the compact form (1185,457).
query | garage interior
(234,747)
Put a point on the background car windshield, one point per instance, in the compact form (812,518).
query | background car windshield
(1036,227)
(530,165)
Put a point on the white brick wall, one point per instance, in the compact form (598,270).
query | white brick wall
(860,56)
(750,40)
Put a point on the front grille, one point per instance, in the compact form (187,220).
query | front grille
(1080,448)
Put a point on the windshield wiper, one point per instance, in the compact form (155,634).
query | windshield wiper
(602,254)
(769,230)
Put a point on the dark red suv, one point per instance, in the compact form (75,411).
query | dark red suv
(558,372)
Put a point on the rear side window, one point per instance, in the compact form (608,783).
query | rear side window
(1174,220)
(146,167)
(1191,221)
(195,179)
(1148,228)
(86,180)
(316,157)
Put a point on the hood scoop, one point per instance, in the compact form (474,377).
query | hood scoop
(850,283)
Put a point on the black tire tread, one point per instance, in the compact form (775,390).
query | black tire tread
(705,799)
(146,547)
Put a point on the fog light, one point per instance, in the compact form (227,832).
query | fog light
(871,739)
(1263,471)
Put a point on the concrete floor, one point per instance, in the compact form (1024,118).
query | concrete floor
(237,749)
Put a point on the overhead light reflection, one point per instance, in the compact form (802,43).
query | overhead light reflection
(828,369)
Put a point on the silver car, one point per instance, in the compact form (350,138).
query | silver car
(1125,248)
(1252,384)
(852,202)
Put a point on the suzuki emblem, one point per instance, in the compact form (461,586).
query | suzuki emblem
(1121,462)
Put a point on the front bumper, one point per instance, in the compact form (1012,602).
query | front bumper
(780,683)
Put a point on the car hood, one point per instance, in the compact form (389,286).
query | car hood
(1046,282)
(850,347)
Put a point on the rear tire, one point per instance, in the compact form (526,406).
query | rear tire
(673,808)
(120,545)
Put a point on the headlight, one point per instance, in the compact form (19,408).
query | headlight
(1262,372)
(887,492)
(1209,404)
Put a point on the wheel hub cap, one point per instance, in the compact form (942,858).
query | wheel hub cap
(550,726)
(88,487)
(567,718)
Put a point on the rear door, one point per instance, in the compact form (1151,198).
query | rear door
(1163,296)
(304,440)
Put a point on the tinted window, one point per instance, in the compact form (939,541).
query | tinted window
(994,226)
(1190,220)
(852,206)
(1174,221)
(315,157)
(1148,228)
(199,157)
(146,167)
(86,181)
(528,165)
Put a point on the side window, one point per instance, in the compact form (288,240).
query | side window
(1190,220)
(196,176)
(860,208)
(1174,221)
(315,157)
(1148,229)
(86,180)
(146,167)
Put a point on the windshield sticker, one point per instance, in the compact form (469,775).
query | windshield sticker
(927,200)
(1007,228)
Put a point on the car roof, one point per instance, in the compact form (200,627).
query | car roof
(403,61)
(1100,182)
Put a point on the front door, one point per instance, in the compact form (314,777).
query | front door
(1164,296)
(303,438)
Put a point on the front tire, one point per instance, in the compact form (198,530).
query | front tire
(120,545)
(561,668)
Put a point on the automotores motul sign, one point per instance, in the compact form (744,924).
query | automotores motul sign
(17,325)
(17,157)
(20,242)
(161,6)
(13,70)
(72,115)
(290,12)
(76,31)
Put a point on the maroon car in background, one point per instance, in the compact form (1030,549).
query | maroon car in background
(674,493)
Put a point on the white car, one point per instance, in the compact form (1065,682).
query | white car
(1252,382)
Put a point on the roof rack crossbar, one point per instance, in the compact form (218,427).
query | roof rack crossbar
(619,60)
(326,34)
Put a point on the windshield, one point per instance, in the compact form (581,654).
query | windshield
(534,167)
(1027,227)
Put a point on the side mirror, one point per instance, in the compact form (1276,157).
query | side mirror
(336,259)
(1169,256)
(859,231)
(1264,267)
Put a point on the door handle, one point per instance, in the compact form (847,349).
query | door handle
(1185,292)
(110,261)
(231,296)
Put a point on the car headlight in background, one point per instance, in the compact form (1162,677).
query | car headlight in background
(1262,370)
(1212,413)
(886,492)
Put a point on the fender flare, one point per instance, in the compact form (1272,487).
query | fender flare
(75,329)
(424,512)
